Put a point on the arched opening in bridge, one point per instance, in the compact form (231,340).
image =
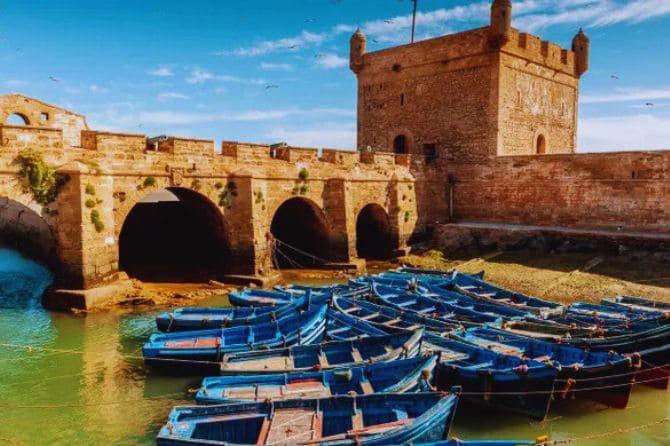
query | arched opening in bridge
(400,144)
(25,231)
(301,233)
(375,238)
(174,235)
(24,236)
(541,145)
(17,119)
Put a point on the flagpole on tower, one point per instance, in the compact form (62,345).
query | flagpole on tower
(414,19)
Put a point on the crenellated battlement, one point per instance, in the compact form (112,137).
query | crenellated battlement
(541,52)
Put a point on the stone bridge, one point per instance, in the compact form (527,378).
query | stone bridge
(177,207)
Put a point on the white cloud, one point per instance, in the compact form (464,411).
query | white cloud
(172,95)
(162,72)
(267,66)
(327,135)
(633,132)
(302,40)
(627,95)
(329,60)
(199,76)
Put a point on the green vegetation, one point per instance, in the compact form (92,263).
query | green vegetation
(218,185)
(39,178)
(90,203)
(304,188)
(408,214)
(97,222)
(196,184)
(149,182)
(121,196)
(89,189)
(303,174)
(259,196)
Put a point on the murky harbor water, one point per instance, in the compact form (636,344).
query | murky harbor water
(82,381)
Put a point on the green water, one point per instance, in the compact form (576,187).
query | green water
(89,385)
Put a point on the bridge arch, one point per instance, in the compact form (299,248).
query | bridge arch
(174,234)
(376,239)
(24,230)
(302,234)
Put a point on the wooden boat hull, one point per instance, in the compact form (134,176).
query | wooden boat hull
(370,420)
(328,355)
(399,376)
(494,379)
(189,319)
(201,351)
(604,377)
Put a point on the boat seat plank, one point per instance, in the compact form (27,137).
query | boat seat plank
(369,316)
(367,387)
(356,355)
(291,426)
(323,360)
(357,421)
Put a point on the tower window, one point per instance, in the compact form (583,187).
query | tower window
(541,145)
(430,152)
(402,99)
(44,117)
(400,144)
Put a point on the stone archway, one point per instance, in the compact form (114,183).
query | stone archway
(375,237)
(17,119)
(174,234)
(301,233)
(24,230)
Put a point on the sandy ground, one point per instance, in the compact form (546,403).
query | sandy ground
(563,277)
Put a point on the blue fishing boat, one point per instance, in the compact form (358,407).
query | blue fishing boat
(639,302)
(328,355)
(337,289)
(201,350)
(505,381)
(403,375)
(391,319)
(341,327)
(605,377)
(251,297)
(435,307)
(376,419)
(480,289)
(199,318)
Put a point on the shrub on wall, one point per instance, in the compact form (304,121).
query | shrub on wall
(303,174)
(90,203)
(38,178)
(149,182)
(97,222)
(89,189)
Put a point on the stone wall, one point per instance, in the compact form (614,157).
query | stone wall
(609,190)
(40,114)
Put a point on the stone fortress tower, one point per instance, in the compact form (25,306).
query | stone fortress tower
(473,95)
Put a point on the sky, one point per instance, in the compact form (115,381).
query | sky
(277,70)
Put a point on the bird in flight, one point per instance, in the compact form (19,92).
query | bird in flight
(649,104)
(310,20)
(271,86)
(614,76)
(53,79)
(388,21)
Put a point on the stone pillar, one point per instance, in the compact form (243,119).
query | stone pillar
(336,198)
(245,249)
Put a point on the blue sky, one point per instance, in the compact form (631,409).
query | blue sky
(277,70)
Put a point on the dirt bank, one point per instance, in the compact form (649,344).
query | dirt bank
(563,277)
